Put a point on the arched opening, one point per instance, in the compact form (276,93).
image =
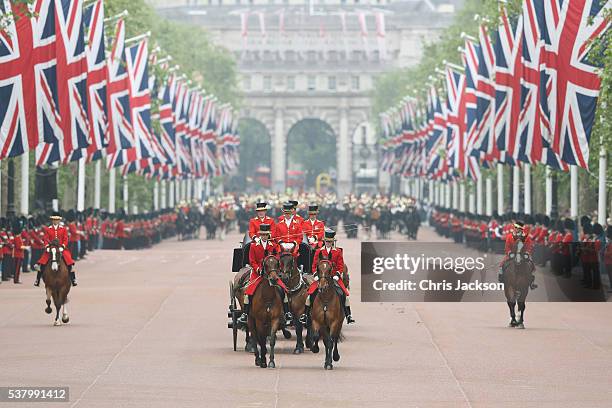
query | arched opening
(365,158)
(311,151)
(254,171)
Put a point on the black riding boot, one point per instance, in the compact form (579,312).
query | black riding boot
(38,277)
(286,311)
(72,275)
(244,317)
(532,284)
(305,316)
(349,317)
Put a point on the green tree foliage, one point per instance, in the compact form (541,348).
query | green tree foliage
(254,150)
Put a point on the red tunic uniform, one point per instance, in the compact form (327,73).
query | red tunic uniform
(60,234)
(255,222)
(257,254)
(288,232)
(338,265)
(314,229)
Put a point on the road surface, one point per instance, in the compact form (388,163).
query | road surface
(149,329)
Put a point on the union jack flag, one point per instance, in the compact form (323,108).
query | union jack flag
(508,74)
(97,74)
(572,85)
(457,113)
(72,86)
(29,101)
(118,98)
(166,119)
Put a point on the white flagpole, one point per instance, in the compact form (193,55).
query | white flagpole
(163,194)
(97,184)
(472,202)
(455,195)
(156,196)
(125,195)
(516,188)
(601,203)
(573,191)
(111,190)
(527,188)
(462,197)
(479,195)
(25,183)
(500,188)
(489,196)
(549,195)
(81,185)
(171,191)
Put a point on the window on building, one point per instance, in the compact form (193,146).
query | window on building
(355,82)
(331,83)
(267,83)
(246,82)
(312,82)
(291,83)
(311,56)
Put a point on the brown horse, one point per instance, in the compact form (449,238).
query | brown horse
(266,312)
(298,292)
(57,282)
(517,278)
(327,315)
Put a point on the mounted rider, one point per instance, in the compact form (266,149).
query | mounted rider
(258,252)
(313,228)
(259,219)
(518,233)
(59,233)
(332,253)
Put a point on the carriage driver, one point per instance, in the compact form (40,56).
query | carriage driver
(331,252)
(258,251)
(261,218)
(56,232)
(517,234)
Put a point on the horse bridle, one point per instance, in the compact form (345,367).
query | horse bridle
(330,277)
(266,272)
(301,280)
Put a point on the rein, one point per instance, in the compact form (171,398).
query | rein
(301,282)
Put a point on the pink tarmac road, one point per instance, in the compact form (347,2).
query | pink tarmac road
(149,329)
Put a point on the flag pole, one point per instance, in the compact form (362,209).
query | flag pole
(489,196)
(112,179)
(81,185)
(25,183)
(574,191)
(125,195)
(601,192)
(124,13)
(549,191)
(97,184)
(500,188)
(527,188)
(516,188)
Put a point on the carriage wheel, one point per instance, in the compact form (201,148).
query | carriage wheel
(232,309)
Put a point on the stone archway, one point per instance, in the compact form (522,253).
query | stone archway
(311,148)
(255,140)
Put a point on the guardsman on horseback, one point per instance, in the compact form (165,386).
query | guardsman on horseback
(258,252)
(261,218)
(330,252)
(517,234)
(57,232)
(313,227)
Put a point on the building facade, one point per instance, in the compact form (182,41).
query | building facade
(317,60)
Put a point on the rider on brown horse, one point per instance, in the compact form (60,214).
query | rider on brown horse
(257,253)
(517,234)
(331,252)
(59,233)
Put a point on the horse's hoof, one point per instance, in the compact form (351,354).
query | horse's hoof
(329,367)
(298,350)
(315,349)
(263,365)
(57,323)
(513,323)
(249,349)
(48,310)
(287,334)
(271,365)
(65,319)
(257,362)
(520,326)
(336,357)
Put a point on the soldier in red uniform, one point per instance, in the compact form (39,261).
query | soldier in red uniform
(331,252)
(296,216)
(313,228)
(18,251)
(517,234)
(260,218)
(288,228)
(57,232)
(260,249)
